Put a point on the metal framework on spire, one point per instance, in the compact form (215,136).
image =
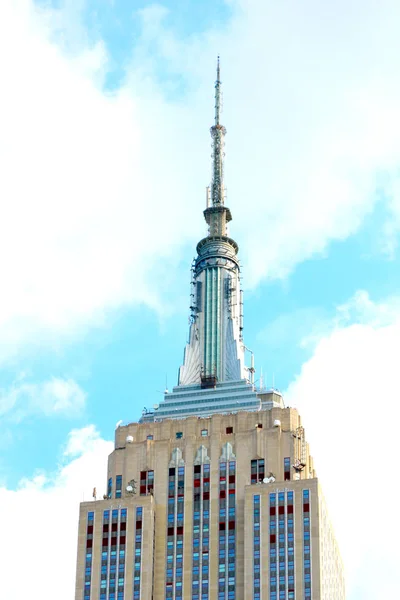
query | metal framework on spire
(218,132)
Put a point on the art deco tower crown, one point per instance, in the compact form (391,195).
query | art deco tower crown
(215,349)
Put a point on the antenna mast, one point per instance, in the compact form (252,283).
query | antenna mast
(218,132)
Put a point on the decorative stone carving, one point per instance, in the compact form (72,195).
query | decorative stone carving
(176,458)
(227,453)
(202,456)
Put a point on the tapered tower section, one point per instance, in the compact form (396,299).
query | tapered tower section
(215,352)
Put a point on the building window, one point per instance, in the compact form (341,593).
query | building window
(257,469)
(109,488)
(286,468)
(146,482)
(204,432)
(118,486)
(150,437)
(259,425)
(229,430)
(179,435)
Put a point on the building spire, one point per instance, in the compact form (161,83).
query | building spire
(218,132)
(217,95)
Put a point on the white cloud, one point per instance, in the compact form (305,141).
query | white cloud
(43,511)
(101,189)
(347,396)
(55,397)
(81,441)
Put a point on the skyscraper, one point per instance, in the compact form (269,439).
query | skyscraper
(213,494)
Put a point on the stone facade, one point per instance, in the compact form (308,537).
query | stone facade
(269,435)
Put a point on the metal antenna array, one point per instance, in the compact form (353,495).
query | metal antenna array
(218,132)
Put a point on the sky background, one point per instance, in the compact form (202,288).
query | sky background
(104,159)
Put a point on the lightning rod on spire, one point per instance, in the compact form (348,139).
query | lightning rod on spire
(217,94)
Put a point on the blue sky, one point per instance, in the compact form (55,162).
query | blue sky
(106,155)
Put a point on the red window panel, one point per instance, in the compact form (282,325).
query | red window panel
(123,526)
(222,526)
(113,541)
(179,530)
(170,531)
(142,490)
(272,510)
(206,496)
(122,539)
(281,510)
(105,527)
(287,475)
(206,480)
(290,509)
(197,483)
(138,524)
(105,542)
(272,538)
(231,492)
(114,527)
(232,478)
(229,430)
(232,524)
(90,528)
(197,468)
(222,494)
(306,507)
(89,543)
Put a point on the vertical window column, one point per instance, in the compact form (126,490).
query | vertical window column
(104,555)
(112,575)
(306,544)
(205,532)
(227,530)
(146,482)
(89,555)
(121,553)
(222,551)
(169,575)
(256,548)
(201,531)
(232,531)
(281,546)
(118,486)
(196,561)
(138,553)
(286,468)
(290,544)
(272,547)
(175,531)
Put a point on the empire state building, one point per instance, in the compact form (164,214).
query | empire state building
(212,495)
